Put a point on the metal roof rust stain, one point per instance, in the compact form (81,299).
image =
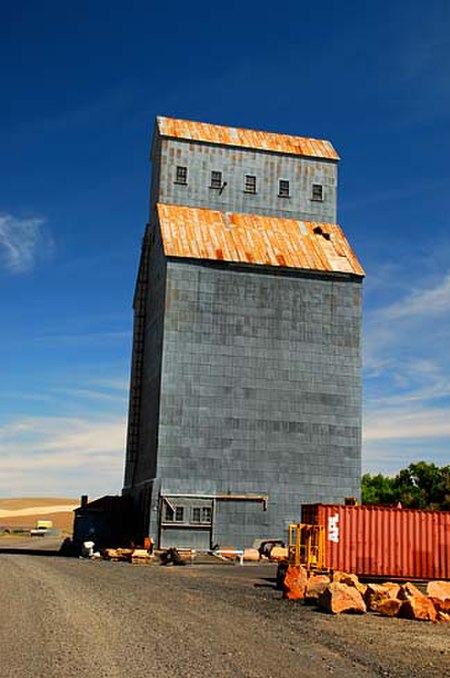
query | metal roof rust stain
(246,138)
(199,233)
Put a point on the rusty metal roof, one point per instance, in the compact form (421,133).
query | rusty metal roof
(247,138)
(197,233)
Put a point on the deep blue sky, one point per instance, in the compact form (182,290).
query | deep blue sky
(81,84)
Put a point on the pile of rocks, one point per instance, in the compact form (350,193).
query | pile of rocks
(344,592)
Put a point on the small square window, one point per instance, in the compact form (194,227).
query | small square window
(250,183)
(206,514)
(168,514)
(317,192)
(283,188)
(195,515)
(181,175)
(179,514)
(216,179)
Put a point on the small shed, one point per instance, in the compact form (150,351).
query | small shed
(105,520)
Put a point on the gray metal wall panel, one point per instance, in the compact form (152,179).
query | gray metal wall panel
(198,538)
(269,168)
(260,389)
(236,523)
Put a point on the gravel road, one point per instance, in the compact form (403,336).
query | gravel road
(67,617)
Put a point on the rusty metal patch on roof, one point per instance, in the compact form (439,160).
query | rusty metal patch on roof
(246,138)
(197,233)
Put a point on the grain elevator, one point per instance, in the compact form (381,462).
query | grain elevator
(245,395)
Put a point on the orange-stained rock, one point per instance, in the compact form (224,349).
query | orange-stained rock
(375,593)
(339,598)
(389,607)
(338,574)
(315,586)
(251,555)
(279,553)
(443,617)
(439,594)
(419,608)
(438,589)
(349,580)
(441,605)
(408,591)
(294,583)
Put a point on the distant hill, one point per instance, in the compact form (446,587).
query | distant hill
(24,511)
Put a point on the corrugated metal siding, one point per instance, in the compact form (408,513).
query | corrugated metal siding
(190,232)
(247,138)
(384,542)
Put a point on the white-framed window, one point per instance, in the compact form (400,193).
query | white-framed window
(284,189)
(169,513)
(181,175)
(249,183)
(201,515)
(317,192)
(206,514)
(172,513)
(216,179)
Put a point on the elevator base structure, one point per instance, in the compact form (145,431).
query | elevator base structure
(202,521)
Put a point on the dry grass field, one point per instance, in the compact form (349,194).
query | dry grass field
(24,512)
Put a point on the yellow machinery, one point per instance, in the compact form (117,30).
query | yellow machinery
(306,547)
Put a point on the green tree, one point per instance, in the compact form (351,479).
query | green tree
(377,489)
(421,485)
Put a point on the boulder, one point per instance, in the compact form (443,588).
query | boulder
(438,589)
(439,593)
(350,580)
(294,583)
(375,593)
(338,574)
(339,597)
(419,608)
(251,555)
(315,586)
(278,553)
(389,607)
(443,616)
(408,591)
(441,605)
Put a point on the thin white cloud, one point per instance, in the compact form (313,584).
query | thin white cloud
(431,301)
(22,241)
(407,378)
(407,423)
(390,455)
(115,384)
(410,331)
(77,454)
(94,394)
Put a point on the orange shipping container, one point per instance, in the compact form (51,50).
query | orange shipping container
(375,541)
